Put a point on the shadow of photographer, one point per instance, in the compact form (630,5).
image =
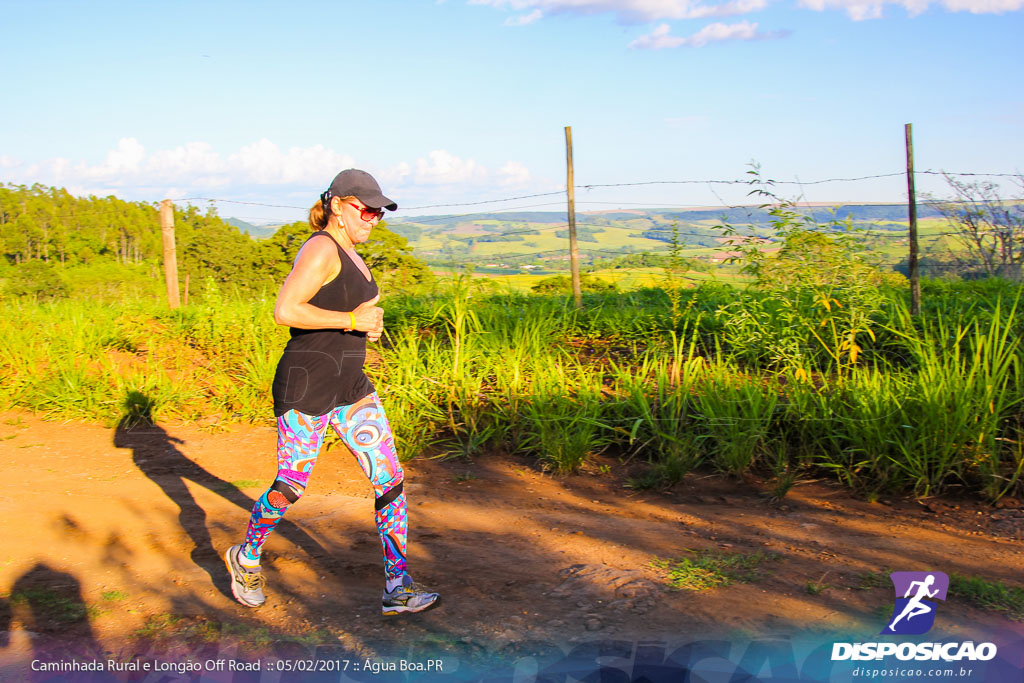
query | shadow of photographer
(47,604)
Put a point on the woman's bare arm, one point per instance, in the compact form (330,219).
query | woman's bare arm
(314,265)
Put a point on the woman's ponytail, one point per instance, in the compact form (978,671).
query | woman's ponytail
(318,216)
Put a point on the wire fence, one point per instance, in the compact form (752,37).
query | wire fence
(938,246)
(939,249)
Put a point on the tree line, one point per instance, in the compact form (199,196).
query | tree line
(51,240)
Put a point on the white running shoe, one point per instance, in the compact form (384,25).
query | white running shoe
(246,584)
(408,597)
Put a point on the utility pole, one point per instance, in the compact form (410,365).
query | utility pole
(574,254)
(170,256)
(915,280)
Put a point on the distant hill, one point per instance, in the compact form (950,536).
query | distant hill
(737,215)
(536,239)
(698,223)
(257,232)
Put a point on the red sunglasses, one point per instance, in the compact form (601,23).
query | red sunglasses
(368,214)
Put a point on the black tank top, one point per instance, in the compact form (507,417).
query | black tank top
(323,369)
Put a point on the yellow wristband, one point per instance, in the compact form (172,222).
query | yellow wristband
(352,318)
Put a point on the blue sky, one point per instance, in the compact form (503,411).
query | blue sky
(456,101)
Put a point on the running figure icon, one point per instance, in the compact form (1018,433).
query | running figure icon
(915,607)
(916,596)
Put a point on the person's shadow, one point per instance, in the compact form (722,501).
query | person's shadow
(48,605)
(154,451)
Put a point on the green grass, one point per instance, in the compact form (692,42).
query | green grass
(199,631)
(985,594)
(989,595)
(866,581)
(817,587)
(254,636)
(114,595)
(196,630)
(248,483)
(158,626)
(52,605)
(884,611)
(708,569)
(758,380)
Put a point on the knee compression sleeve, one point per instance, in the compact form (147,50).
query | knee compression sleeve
(281,494)
(389,496)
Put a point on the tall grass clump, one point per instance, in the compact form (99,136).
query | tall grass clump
(656,409)
(78,359)
(561,419)
(411,395)
(966,391)
(736,416)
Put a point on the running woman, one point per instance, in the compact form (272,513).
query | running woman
(329,301)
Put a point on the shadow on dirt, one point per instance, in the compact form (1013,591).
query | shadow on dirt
(48,605)
(156,454)
(520,556)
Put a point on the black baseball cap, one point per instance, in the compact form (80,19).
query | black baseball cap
(361,185)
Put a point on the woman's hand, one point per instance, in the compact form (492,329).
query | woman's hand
(369,318)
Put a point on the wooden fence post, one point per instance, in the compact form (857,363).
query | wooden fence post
(170,256)
(915,279)
(574,254)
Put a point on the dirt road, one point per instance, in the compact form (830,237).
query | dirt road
(114,537)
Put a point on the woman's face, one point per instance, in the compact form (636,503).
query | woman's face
(357,218)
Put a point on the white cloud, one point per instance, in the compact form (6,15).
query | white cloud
(627,11)
(718,32)
(638,11)
(727,8)
(195,165)
(859,10)
(190,159)
(443,168)
(395,175)
(658,39)
(268,165)
(661,39)
(260,171)
(983,6)
(125,159)
(524,19)
(513,173)
(176,193)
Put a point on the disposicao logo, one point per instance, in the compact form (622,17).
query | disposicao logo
(914,614)
(914,611)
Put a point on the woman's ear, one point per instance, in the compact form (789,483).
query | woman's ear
(336,204)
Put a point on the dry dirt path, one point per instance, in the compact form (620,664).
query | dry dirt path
(112,538)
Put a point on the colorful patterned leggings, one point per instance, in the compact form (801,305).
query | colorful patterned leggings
(364,428)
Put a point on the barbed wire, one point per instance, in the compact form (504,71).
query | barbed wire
(750,182)
(442,260)
(448,217)
(584,251)
(1019,174)
(590,186)
(128,208)
(237,201)
(710,231)
(486,201)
